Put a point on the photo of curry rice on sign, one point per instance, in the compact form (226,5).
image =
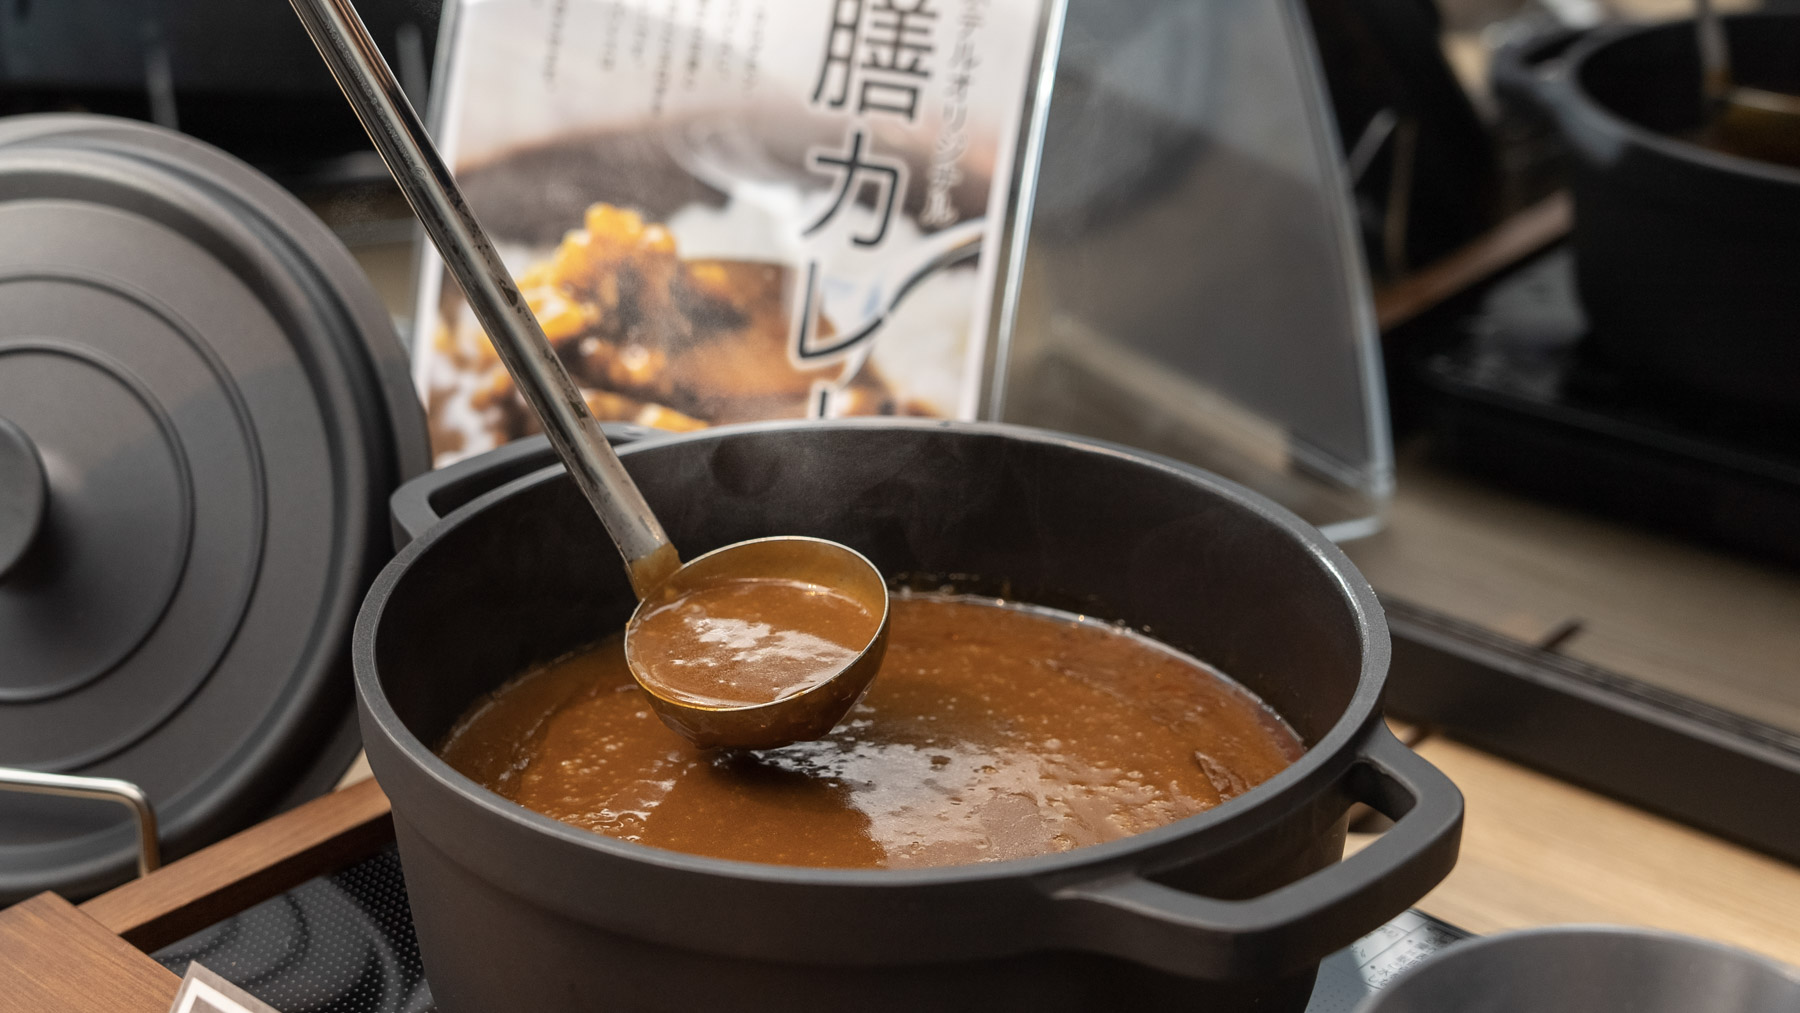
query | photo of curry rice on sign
(1266,505)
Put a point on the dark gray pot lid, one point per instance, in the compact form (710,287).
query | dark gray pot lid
(205,408)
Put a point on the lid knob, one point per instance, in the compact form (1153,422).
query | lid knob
(22,494)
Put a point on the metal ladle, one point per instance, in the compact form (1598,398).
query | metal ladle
(1753,122)
(655,568)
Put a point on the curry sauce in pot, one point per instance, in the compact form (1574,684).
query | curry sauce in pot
(994,731)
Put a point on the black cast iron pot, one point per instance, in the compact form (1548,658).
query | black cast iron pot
(1234,906)
(1687,259)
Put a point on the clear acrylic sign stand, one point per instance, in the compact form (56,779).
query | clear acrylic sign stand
(1190,283)
(1121,218)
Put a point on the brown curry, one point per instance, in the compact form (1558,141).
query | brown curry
(994,731)
(747,640)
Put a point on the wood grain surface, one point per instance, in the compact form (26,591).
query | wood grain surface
(1538,851)
(55,958)
(270,858)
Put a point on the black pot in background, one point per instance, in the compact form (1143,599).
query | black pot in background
(1687,259)
(515,910)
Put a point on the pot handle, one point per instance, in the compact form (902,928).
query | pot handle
(105,789)
(427,499)
(1296,925)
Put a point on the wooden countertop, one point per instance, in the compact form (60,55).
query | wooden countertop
(55,957)
(1723,629)
(1538,851)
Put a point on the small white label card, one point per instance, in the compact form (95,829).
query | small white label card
(202,991)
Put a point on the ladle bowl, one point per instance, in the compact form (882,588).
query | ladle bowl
(808,714)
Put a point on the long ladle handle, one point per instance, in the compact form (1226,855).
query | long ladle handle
(400,138)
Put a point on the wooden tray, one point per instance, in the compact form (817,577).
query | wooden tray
(58,956)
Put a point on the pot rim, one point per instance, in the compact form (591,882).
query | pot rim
(1686,153)
(1296,783)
